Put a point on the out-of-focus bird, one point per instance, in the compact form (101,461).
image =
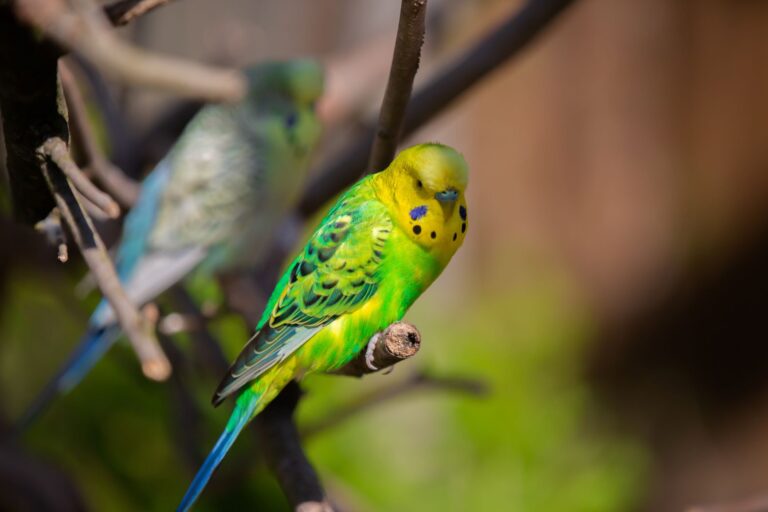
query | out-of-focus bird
(382,244)
(213,202)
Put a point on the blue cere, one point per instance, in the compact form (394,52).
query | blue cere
(418,212)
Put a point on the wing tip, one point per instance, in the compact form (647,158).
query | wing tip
(221,393)
(224,391)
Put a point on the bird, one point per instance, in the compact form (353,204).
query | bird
(384,241)
(211,203)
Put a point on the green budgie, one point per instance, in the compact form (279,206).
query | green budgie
(382,244)
(213,202)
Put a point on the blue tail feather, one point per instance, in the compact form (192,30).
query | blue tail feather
(237,422)
(91,349)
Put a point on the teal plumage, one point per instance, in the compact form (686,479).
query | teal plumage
(212,204)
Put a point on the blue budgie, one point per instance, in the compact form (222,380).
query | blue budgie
(212,202)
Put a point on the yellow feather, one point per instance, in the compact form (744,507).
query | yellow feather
(413,180)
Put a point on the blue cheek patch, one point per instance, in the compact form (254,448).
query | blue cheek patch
(418,212)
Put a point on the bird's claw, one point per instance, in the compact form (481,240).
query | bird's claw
(369,352)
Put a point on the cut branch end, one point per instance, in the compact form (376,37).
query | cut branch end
(397,342)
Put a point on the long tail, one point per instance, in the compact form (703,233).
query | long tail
(93,346)
(241,415)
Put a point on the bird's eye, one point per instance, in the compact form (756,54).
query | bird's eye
(419,184)
(290,120)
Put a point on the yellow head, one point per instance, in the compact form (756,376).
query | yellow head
(424,189)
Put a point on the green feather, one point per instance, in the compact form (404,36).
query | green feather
(335,274)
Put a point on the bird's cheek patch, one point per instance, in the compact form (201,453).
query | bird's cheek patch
(418,212)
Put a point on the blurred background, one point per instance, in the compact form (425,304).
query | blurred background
(610,293)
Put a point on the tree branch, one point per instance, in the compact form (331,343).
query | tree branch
(503,43)
(54,234)
(87,32)
(281,443)
(416,382)
(124,189)
(154,364)
(397,342)
(125,11)
(58,152)
(405,63)
(36,129)
(30,113)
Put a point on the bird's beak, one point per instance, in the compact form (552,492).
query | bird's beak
(447,196)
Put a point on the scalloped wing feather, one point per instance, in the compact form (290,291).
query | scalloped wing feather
(335,274)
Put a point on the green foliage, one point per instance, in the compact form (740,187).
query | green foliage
(537,442)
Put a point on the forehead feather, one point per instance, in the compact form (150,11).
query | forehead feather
(437,165)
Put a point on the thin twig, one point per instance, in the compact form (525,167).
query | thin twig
(503,43)
(154,364)
(96,213)
(58,151)
(125,11)
(405,63)
(124,189)
(416,382)
(54,233)
(88,33)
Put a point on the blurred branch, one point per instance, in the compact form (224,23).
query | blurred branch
(154,364)
(503,43)
(87,31)
(125,190)
(416,382)
(125,11)
(405,63)
(57,150)
(36,129)
(54,234)
(285,456)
